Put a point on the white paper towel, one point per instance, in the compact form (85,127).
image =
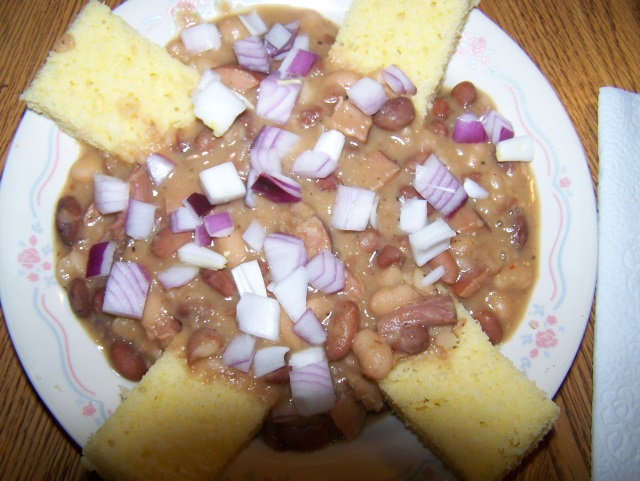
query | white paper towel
(616,396)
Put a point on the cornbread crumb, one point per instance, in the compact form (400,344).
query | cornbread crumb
(417,36)
(110,87)
(472,407)
(174,426)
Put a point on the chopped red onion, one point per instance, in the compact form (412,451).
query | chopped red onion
(277,188)
(284,253)
(252,54)
(266,160)
(277,97)
(177,276)
(222,183)
(126,291)
(140,219)
(430,241)
(216,104)
(249,198)
(298,62)
(331,142)
(110,194)
(254,235)
(100,259)
(200,38)
(269,359)
(291,293)
(413,215)
(199,203)
(518,149)
(474,190)
(278,36)
(201,237)
(279,33)
(183,219)
(271,137)
(254,23)
(314,164)
(326,272)
(201,257)
(309,328)
(432,277)
(219,224)
(312,389)
(239,352)
(468,129)
(398,80)
(496,126)
(310,355)
(259,316)
(159,168)
(438,186)
(248,278)
(368,95)
(352,208)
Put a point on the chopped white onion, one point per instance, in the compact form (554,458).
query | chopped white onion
(269,359)
(254,235)
(248,278)
(332,142)
(307,356)
(201,256)
(159,168)
(312,389)
(239,352)
(254,23)
(432,277)
(176,276)
(413,215)
(201,37)
(259,316)
(184,219)
(284,253)
(474,190)
(326,272)
(110,194)
(217,106)
(373,217)
(309,328)
(291,293)
(140,219)
(518,149)
(126,290)
(222,183)
(430,241)
(352,208)
(368,95)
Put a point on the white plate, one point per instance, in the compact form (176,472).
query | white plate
(72,377)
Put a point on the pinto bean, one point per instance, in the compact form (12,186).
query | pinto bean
(238,78)
(439,127)
(68,218)
(470,281)
(451,269)
(409,192)
(126,361)
(395,114)
(328,184)
(369,240)
(279,376)
(336,84)
(518,229)
(374,355)
(232,29)
(205,141)
(388,299)
(79,298)
(409,164)
(341,330)
(490,325)
(98,298)
(202,344)
(220,281)
(464,93)
(389,255)
(166,243)
(302,434)
(440,108)
(310,117)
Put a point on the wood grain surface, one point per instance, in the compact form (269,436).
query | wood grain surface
(580,46)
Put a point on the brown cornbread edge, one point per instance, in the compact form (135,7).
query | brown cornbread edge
(472,407)
(175,426)
(112,88)
(417,36)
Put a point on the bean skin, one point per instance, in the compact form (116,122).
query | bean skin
(490,325)
(395,114)
(80,298)
(464,93)
(341,331)
(220,281)
(202,344)
(470,282)
(166,243)
(439,127)
(440,108)
(451,269)
(126,361)
(389,255)
(68,218)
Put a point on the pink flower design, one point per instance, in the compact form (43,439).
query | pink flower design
(33,240)
(33,277)
(46,266)
(29,258)
(551,320)
(477,45)
(565,182)
(546,339)
(89,410)
(533,353)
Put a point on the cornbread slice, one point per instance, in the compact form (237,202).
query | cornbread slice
(175,426)
(110,87)
(472,407)
(417,36)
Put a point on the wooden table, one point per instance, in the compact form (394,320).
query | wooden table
(579,46)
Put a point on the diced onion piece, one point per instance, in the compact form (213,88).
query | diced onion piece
(201,237)
(278,36)
(198,203)
(254,23)
(291,293)
(248,278)
(254,235)
(140,219)
(312,389)
(516,149)
(222,183)
(309,328)
(314,164)
(266,160)
(438,186)
(277,97)
(201,256)
(200,38)
(430,241)
(307,356)
(496,126)
(398,80)
(298,62)
(468,129)
(252,54)
(284,253)
(432,277)
(183,219)
(100,259)
(159,168)
(331,142)
(352,208)
(271,137)
(217,105)
(413,215)
(269,359)
(373,217)
(110,194)
(239,352)
(326,272)
(176,276)
(368,95)
(259,316)
(277,188)
(126,291)
(474,190)
(249,198)
(219,224)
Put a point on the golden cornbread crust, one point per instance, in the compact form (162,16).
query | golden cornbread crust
(417,36)
(112,88)
(173,426)
(472,406)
